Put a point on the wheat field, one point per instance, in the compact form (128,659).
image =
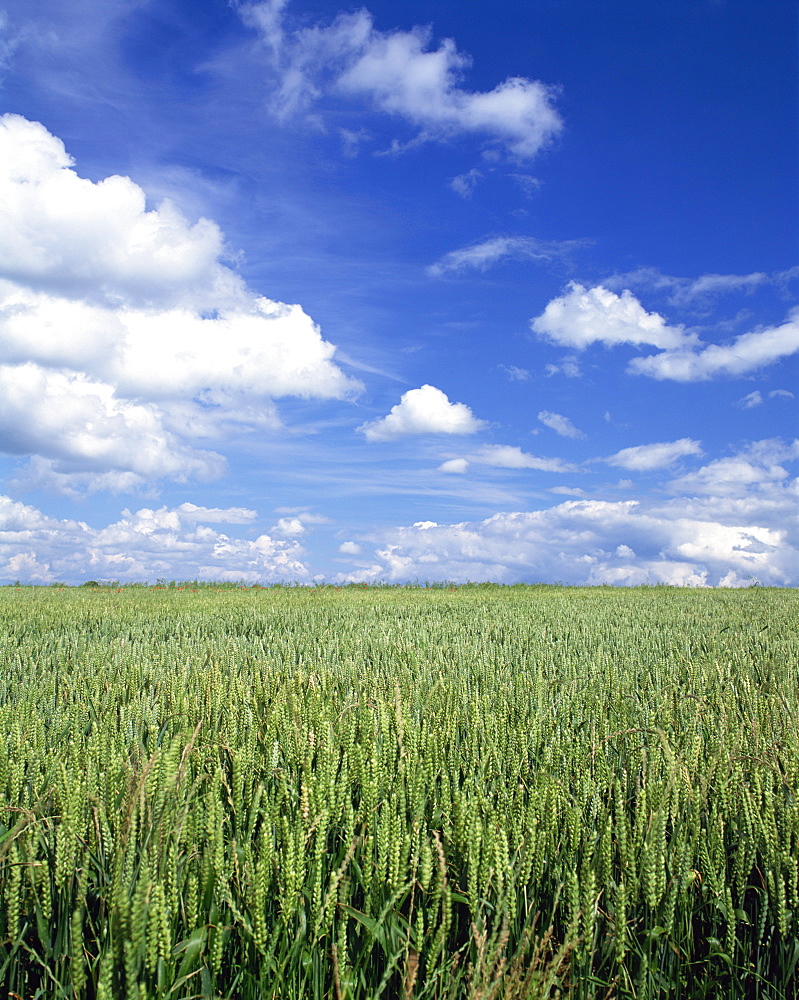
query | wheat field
(488,793)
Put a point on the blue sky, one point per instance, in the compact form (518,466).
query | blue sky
(302,291)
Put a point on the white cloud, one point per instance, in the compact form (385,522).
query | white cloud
(487,253)
(456,466)
(755,469)
(70,236)
(351,141)
(648,457)
(530,185)
(189,512)
(51,475)
(350,549)
(149,544)
(756,398)
(567,491)
(82,426)
(505,456)
(686,292)
(560,424)
(399,74)
(267,16)
(685,543)
(745,354)
(584,316)
(569,366)
(265,349)
(422,411)
(8,43)
(750,400)
(464,184)
(515,374)
(288,527)
(118,322)
(296,524)
(719,283)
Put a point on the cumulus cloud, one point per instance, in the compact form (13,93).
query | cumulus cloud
(648,457)
(455,466)
(81,426)
(755,469)
(123,333)
(296,524)
(149,544)
(584,316)
(400,73)
(350,549)
(288,527)
(560,424)
(422,411)
(594,542)
(69,236)
(269,350)
(403,77)
(746,353)
(735,524)
(487,253)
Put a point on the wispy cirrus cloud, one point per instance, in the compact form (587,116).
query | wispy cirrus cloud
(505,456)
(750,400)
(689,291)
(756,398)
(464,184)
(649,457)
(492,251)
(514,373)
(8,43)
(559,424)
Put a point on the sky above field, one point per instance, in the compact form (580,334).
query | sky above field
(304,291)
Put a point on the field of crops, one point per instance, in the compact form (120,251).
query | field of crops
(485,793)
